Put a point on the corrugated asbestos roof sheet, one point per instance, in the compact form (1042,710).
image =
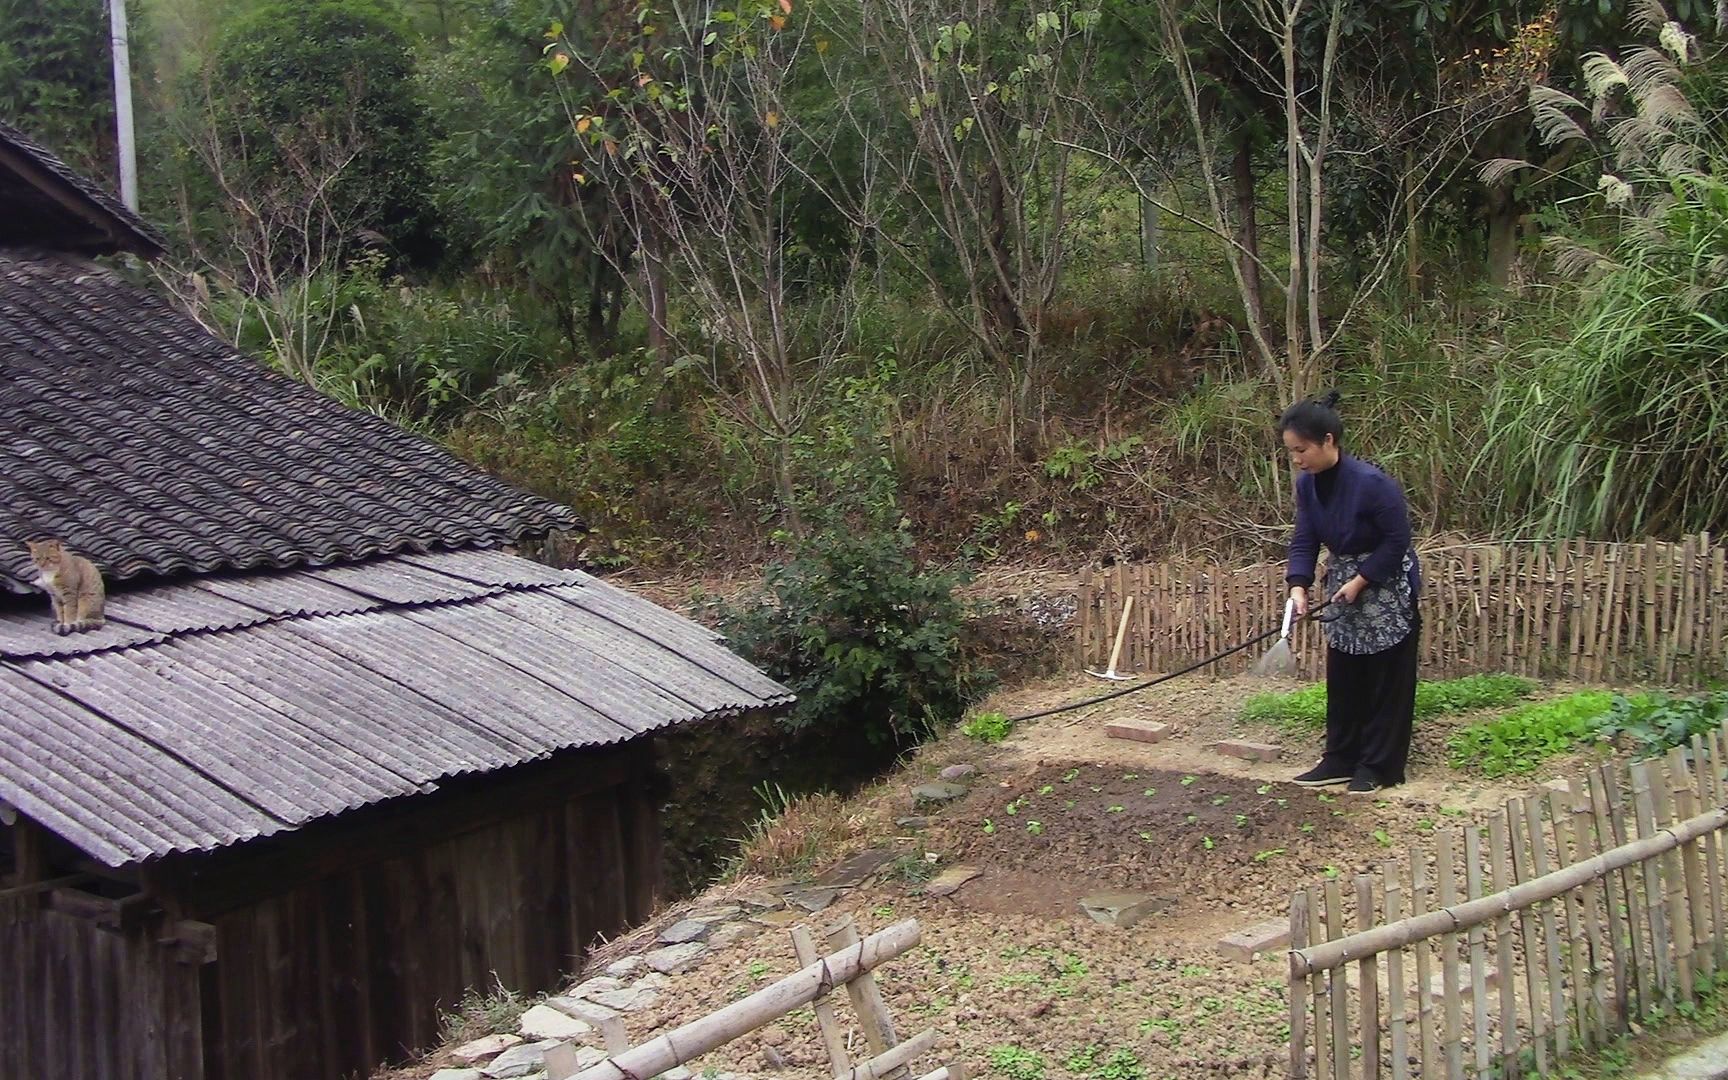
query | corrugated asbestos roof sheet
(155,449)
(211,712)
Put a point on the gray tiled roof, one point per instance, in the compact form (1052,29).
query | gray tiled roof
(45,201)
(155,449)
(213,711)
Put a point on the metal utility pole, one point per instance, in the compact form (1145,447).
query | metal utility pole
(123,104)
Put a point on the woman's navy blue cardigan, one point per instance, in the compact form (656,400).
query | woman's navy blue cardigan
(1365,514)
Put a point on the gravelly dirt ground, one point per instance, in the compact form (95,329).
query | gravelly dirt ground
(1016,981)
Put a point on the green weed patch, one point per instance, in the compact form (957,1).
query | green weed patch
(1306,708)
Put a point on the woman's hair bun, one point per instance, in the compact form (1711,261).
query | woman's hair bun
(1331,398)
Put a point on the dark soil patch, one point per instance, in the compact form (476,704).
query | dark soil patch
(1203,840)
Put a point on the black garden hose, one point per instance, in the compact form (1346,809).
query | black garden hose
(1189,670)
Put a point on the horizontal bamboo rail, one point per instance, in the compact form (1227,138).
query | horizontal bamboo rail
(1474,913)
(802,987)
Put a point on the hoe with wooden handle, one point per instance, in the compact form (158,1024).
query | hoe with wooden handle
(1116,649)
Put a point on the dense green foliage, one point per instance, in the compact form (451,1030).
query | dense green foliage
(871,291)
(1306,708)
(299,86)
(1644,724)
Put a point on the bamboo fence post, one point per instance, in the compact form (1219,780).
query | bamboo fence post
(1588,585)
(1503,950)
(1550,935)
(873,1015)
(1148,662)
(1083,657)
(1319,929)
(1368,982)
(833,1040)
(1643,945)
(1613,609)
(696,1038)
(1699,886)
(1527,925)
(1430,1055)
(1686,608)
(1483,1045)
(1711,794)
(1577,847)
(1665,611)
(1446,875)
(1681,869)
(1645,805)
(1395,986)
(1600,837)
(1339,990)
(1552,584)
(1125,592)
(1298,989)
(1559,819)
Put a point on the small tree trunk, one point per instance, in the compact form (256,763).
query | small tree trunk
(1245,183)
(1004,314)
(654,290)
(1502,234)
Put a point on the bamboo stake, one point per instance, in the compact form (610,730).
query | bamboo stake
(1711,794)
(1338,989)
(1083,653)
(1631,883)
(1686,610)
(1600,838)
(1368,982)
(1299,989)
(1648,572)
(1478,953)
(1527,924)
(1550,574)
(1577,846)
(1502,880)
(1686,806)
(1669,778)
(1395,987)
(1321,930)
(1446,876)
(696,1038)
(1424,1001)
(1662,962)
(1550,934)
(873,1015)
(1587,581)
(1577,951)
(895,1058)
(1613,609)
(833,1039)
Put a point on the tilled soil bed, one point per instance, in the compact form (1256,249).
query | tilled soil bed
(1203,840)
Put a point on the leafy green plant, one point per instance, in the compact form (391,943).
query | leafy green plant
(1090,1061)
(1651,724)
(1016,1063)
(1518,742)
(988,727)
(861,632)
(1306,708)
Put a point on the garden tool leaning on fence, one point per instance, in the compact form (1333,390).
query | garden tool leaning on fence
(1281,632)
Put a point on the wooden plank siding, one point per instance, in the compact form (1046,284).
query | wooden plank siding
(338,947)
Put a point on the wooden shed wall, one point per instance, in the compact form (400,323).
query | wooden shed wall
(337,968)
(78,1000)
(339,947)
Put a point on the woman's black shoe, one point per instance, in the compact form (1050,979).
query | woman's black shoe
(1362,784)
(1324,774)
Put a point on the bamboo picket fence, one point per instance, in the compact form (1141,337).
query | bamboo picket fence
(1581,610)
(1585,911)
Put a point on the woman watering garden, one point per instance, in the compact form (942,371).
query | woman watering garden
(1372,579)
